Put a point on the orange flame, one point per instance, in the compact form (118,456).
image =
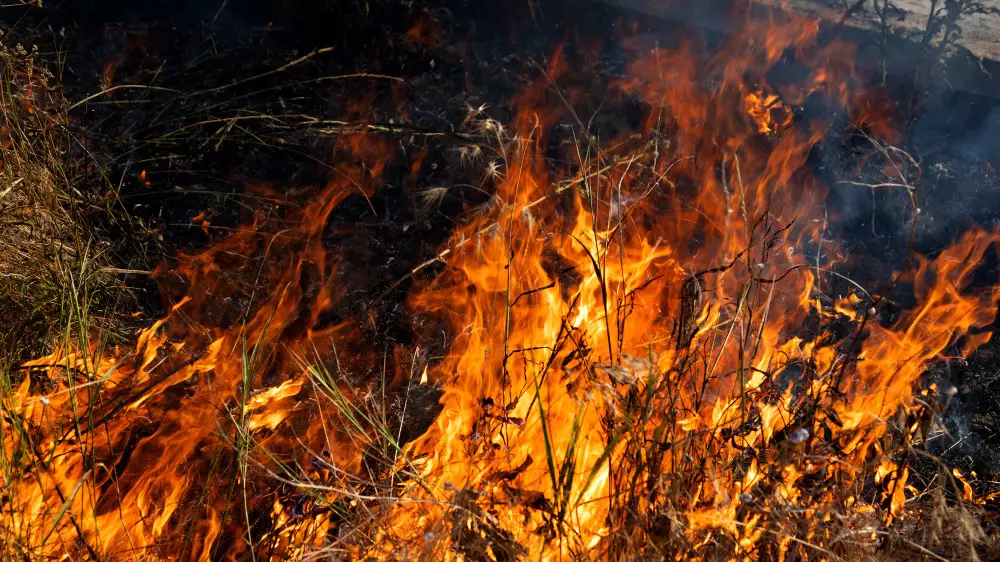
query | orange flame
(767,111)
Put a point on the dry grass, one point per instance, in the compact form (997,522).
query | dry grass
(50,248)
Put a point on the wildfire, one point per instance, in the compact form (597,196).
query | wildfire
(646,357)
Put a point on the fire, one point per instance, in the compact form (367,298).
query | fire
(767,111)
(640,351)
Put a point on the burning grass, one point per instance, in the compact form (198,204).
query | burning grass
(636,345)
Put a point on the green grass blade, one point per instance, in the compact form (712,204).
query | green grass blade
(65,506)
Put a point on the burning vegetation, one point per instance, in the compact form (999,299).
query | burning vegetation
(632,343)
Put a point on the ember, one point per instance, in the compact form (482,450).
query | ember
(635,345)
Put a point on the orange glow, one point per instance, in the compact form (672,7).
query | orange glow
(204,219)
(108,76)
(426,32)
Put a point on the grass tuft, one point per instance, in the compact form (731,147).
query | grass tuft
(52,249)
